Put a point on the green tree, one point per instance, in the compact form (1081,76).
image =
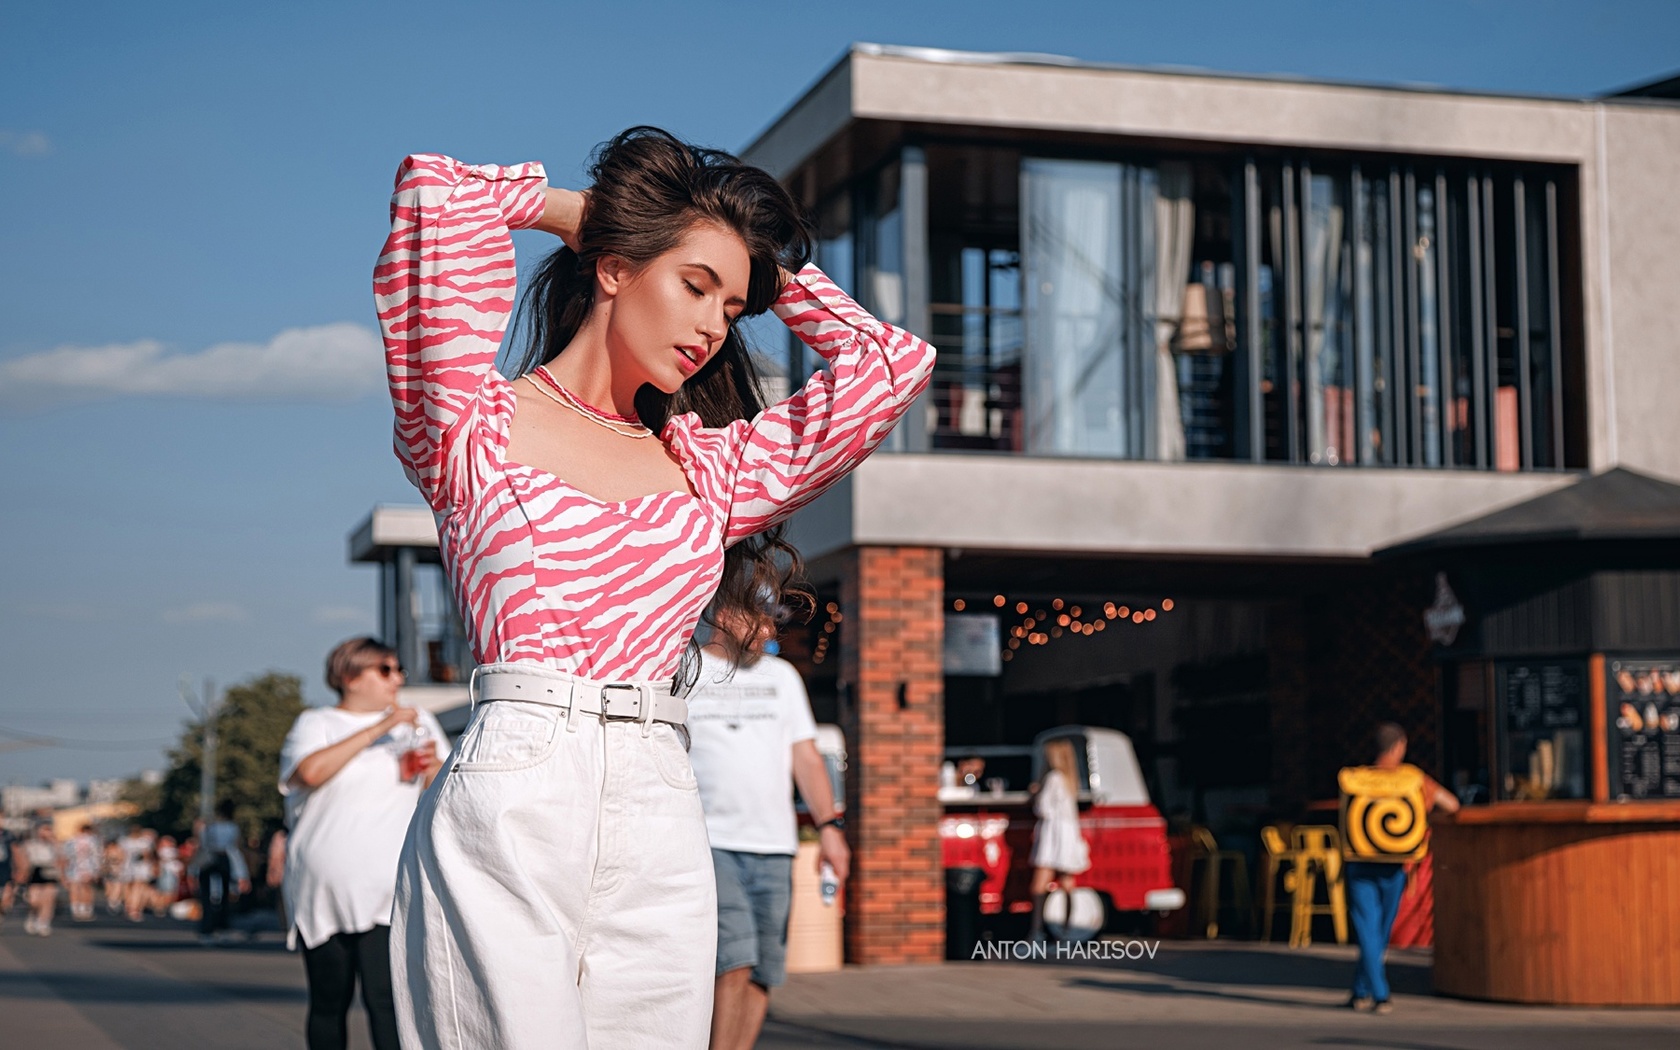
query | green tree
(251,728)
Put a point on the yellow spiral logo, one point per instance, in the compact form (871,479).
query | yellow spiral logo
(1383,814)
(1389,827)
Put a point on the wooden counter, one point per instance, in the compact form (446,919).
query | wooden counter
(1570,903)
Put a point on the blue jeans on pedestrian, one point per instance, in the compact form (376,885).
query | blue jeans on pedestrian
(1373,892)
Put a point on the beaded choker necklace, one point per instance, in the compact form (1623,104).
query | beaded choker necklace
(549,387)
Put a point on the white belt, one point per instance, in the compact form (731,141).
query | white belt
(620,701)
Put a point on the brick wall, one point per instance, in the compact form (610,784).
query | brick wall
(892,710)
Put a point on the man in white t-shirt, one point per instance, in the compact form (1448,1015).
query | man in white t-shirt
(752,734)
(352,775)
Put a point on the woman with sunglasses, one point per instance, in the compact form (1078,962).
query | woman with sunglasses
(557,886)
(349,796)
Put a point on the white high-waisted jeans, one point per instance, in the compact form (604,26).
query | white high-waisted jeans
(556,890)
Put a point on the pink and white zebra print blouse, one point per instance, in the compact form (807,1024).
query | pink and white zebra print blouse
(542,572)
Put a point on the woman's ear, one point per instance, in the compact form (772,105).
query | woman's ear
(612,273)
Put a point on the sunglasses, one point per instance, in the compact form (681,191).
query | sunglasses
(388,670)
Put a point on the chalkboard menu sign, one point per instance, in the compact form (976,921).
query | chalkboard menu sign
(1644,699)
(1543,729)
(1544,696)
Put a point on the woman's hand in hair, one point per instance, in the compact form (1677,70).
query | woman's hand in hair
(563,214)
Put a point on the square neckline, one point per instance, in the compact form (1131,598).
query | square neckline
(682,465)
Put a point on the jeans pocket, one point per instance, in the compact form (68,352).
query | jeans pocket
(508,735)
(670,755)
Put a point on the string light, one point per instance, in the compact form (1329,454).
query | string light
(1068,618)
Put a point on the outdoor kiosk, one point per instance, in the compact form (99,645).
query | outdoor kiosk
(1558,629)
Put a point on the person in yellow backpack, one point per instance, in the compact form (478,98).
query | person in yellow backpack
(1374,886)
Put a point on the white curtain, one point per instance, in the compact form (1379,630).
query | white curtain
(1071,255)
(1328,398)
(1175,229)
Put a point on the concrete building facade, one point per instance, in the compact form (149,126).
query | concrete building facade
(1208,346)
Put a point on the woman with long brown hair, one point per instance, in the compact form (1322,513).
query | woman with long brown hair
(1059,849)
(556,888)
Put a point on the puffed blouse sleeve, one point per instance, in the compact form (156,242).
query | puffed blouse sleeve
(769,466)
(444,288)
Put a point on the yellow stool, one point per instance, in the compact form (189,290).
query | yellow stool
(1319,852)
(1277,857)
(1214,861)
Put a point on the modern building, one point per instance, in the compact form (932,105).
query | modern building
(1239,382)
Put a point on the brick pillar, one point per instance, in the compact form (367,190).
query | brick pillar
(892,710)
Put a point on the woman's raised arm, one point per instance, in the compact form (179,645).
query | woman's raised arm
(444,286)
(788,454)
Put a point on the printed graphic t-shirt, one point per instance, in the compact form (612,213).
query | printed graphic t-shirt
(743,728)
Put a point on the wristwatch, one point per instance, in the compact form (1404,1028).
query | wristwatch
(835,821)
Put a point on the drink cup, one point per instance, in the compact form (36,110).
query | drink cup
(413,761)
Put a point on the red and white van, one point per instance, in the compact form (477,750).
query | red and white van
(989,826)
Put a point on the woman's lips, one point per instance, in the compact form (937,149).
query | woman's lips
(690,358)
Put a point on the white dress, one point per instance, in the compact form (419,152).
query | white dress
(1057,843)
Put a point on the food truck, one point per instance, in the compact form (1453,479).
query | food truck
(989,821)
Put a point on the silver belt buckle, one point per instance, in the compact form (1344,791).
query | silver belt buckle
(606,701)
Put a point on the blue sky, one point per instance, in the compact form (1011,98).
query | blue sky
(190,413)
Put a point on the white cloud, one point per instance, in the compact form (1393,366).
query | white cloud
(25,143)
(206,612)
(340,614)
(329,362)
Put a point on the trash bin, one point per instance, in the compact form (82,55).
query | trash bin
(962,911)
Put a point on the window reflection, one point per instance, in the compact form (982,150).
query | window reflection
(1325,311)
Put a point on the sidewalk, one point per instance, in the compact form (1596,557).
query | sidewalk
(1191,995)
(111,985)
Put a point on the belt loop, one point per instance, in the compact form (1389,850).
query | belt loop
(472,689)
(573,703)
(646,693)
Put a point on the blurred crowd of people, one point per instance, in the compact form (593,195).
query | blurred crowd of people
(133,870)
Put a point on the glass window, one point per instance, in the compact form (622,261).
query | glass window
(1539,313)
(1295,309)
(1427,367)
(974,278)
(1543,721)
(1088,259)
(1374,314)
(1327,309)
(880,246)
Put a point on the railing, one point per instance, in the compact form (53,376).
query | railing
(974,398)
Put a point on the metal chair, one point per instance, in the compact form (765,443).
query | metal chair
(1320,854)
(1214,861)
(1278,858)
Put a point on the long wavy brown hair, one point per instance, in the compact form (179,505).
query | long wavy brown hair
(649,188)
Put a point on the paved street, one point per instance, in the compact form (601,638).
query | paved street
(150,986)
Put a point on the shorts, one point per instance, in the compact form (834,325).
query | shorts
(43,877)
(754,893)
